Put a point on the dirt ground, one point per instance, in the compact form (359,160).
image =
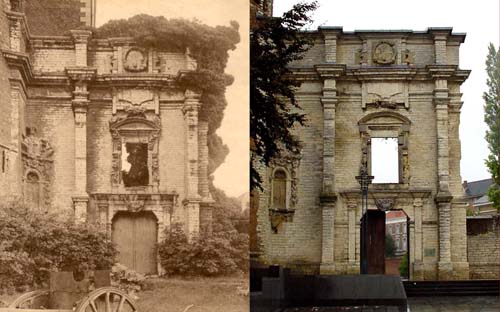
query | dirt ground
(196,295)
(228,294)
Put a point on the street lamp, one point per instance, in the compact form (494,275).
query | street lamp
(364,179)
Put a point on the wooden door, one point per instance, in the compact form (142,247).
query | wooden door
(135,236)
(374,253)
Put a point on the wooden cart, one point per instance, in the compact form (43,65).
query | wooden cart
(66,294)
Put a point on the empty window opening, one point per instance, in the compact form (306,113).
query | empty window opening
(279,190)
(135,170)
(385,160)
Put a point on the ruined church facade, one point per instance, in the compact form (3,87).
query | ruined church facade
(99,129)
(357,86)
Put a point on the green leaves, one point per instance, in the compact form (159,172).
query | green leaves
(492,119)
(274,110)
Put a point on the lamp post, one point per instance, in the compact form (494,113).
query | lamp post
(364,179)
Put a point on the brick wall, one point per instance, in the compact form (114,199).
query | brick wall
(482,247)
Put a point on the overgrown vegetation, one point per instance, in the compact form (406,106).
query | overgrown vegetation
(208,45)
(390,246)
(274,43)
(492,119)
(221,251)
(403,266)
(33,244)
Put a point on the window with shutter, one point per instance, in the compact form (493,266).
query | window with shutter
(279,190)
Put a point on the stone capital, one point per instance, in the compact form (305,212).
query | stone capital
(443,197)
(328,198)
(330,32)
(80,36)
(79,73)
(330,71)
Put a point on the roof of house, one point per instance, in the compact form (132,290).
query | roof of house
(394,214)
(52,17)
(477,188)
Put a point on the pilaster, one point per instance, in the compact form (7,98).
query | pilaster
(327,265)
(80,76)
(81,38)
(330,35)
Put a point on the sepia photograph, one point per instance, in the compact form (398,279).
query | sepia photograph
(124,155)
(374,155)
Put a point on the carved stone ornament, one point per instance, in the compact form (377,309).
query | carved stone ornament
(38,156)
(291,163)
(385,204)
(278,216)
(135,60)
(123,129)
(384,53)
(133,202)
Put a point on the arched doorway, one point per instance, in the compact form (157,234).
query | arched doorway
(135,235)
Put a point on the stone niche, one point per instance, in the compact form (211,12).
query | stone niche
(38,171)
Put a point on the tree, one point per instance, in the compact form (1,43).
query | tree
(390,246)
(274,43)
(492,119)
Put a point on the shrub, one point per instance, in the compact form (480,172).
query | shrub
(221,252)
(390,246)
(33,244)
(403,266)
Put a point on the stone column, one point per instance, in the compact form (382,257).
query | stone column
(441,74)
(80,75)
(330,35)
(418,265)
(203,158)
(328,197)
(15,30)
(193,199)
(353,266)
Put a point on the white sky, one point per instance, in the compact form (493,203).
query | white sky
(233,175)
(479,19)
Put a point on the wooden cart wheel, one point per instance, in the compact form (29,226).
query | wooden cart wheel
(106,299)
(37,299)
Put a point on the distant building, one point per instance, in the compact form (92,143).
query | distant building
(395,225)
(477,197)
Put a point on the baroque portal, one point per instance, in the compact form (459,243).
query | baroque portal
(356,88)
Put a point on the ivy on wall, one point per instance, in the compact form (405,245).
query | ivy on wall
(208,45)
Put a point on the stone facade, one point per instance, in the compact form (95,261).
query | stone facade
(357,86)
(74,107)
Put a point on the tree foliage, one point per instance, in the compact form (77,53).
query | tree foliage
(491,117)
(33,244)
(274,44)
(221,251)
(208,45)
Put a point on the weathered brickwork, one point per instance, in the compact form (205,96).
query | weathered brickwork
(356,86)
(482,247)
(77,111)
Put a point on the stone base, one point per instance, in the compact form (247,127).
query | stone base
(418,271)
(445,271)
(327,269)
(460,270)
(80,205)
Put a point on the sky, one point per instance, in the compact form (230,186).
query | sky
(233,175)
(478,19)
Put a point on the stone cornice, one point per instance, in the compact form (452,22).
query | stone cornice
(20,61)
(374,73)
(330,71)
